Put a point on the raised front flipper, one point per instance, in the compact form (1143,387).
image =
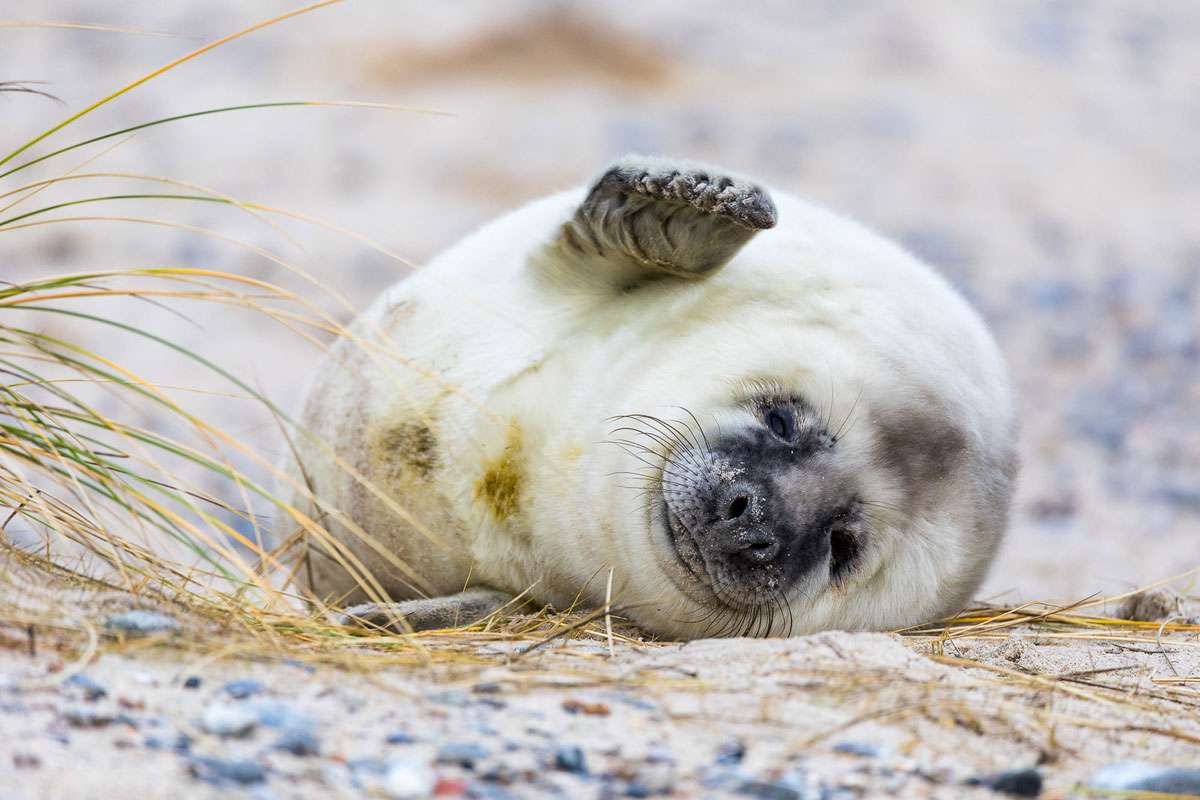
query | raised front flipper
(648,218)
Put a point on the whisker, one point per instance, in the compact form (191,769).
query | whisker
(849,414)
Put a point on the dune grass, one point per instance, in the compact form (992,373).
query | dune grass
(118,507)
(114,506)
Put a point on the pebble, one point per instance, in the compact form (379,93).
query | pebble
(809,786)
(487,687)
(92,689)
(597,709)
(1132,776)
(864,749)
(768,791)
(88,717)
(298,742)
(400,737)
(223,719)
(720,777)
(367,766)
(222,772)
(1014,782)
(192,682)
(278,714)
(451,697)
(142,623)
(241,689)
(181,744)
(489,791)
(636,702)
(731,752)
(409,780)
(570,759)
(654,778)
(464,754)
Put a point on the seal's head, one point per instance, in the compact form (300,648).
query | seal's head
(820,428)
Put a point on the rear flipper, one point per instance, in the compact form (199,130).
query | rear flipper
(453,611)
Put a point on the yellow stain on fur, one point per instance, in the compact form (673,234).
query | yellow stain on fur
(499,488)
(406,448)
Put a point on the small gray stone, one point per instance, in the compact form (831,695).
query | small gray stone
(731,752)
(464,754)
(1132,776)
(88,717)
(222,772)
(141,623)
(224,719)
(241,689)
(864,749)
(278,714)
(1014,782)
(92,689)
(806,784)
(761,790)
(570,759)
(655,777)
(400,737)
(298,742)
(487,687)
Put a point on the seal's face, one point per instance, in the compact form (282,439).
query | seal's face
(759,515)
(767,509)
(774,515)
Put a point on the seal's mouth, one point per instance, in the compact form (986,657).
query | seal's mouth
(843,561)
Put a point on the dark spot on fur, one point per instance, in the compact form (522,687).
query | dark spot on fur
(920,447)
(407,447)
(499,488)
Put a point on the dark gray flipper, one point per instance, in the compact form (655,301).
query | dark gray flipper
(649,218)
(452,611)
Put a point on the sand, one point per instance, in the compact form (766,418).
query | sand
(479,714)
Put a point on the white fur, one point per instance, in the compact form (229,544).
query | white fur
(479,344)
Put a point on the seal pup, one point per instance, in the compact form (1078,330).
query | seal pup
(762,418)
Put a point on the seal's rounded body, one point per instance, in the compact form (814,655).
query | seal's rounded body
(763,434)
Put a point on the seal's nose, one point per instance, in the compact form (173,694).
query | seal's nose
(737,531)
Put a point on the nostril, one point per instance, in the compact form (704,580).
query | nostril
(737,507)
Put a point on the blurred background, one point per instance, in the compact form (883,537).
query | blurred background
(1042,155)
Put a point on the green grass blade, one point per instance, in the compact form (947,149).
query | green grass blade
(165,68)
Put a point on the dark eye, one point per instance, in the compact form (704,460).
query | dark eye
(781,424)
